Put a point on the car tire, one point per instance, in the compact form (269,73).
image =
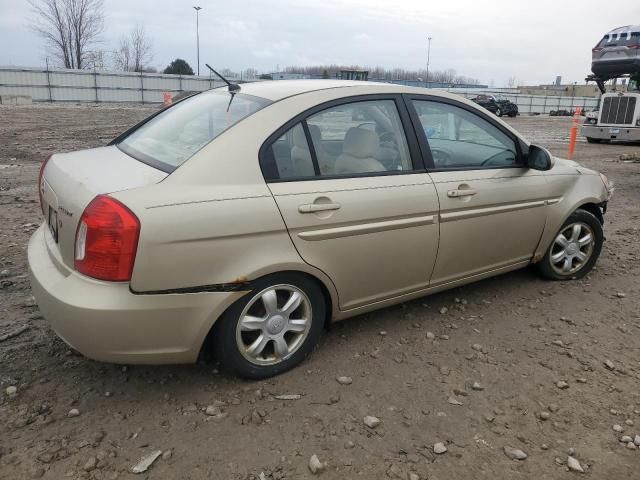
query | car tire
(562,260)
(593,140)
(499,112)
(250,322)
(513,114)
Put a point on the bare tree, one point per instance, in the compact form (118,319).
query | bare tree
(134,52)
(250,73)
(512,82)
(141,49)
(69,28)
(122,56)
(381,73)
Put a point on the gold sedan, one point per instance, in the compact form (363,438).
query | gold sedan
(241,222)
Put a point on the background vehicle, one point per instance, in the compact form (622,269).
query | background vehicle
(618,117)
(497,104)
(245,220)
(617,55)
(618,52)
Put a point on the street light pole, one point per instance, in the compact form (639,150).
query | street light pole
(197,9)
(428,58)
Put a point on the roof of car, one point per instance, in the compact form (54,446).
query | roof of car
(626,28)
(275,90)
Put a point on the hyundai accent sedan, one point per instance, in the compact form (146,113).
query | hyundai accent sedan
(242,222)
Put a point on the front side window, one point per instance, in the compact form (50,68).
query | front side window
(460,139)
(173,136)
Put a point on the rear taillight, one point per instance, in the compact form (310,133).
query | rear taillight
(41,181)
(635,47)
(107,240)
(596,49)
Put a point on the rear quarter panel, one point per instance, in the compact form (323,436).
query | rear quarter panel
(214,220)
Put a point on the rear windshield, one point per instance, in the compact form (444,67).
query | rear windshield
(620,39)
(172,137)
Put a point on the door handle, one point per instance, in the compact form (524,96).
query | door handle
(318,207)
(461,193)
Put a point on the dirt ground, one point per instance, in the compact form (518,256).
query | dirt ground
(412,366)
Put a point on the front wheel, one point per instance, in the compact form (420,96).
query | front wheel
(499,112)
(273,328)
(575,249)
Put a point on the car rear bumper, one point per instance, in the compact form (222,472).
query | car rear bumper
(615,67)
(107,322)
(629,134)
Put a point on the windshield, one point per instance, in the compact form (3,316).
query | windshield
(173,136)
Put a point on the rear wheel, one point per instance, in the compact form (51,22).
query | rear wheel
(272,329)
(593,140)
(575,249)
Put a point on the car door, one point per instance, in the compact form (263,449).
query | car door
(366,217)
(492,206)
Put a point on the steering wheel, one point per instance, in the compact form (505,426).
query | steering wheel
(494,157)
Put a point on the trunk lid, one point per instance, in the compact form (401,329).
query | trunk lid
(71,180)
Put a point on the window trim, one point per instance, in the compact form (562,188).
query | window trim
(267,162)
(521,147)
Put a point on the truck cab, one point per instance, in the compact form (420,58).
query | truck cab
(618,118)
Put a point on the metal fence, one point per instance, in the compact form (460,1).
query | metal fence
(44,85)
(532,104)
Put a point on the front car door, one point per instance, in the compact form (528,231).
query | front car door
(349,182)
(492,207)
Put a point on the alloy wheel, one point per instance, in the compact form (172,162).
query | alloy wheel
(274,325)
(572,248)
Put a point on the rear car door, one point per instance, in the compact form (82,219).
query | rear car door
(348,180)
(492,207)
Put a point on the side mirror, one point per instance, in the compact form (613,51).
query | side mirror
(539,158)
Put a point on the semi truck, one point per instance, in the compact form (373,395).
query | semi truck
(616,56)
(618,117)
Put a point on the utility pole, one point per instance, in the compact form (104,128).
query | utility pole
(428,58)
(197,9)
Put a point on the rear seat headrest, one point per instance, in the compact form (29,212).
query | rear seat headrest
(360,143)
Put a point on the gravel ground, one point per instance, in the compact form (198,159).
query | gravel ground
(479,383)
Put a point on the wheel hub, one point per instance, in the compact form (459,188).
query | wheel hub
(275,324)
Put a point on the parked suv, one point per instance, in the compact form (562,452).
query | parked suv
(618,52)
(497,104)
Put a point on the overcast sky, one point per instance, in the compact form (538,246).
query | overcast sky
(489,40)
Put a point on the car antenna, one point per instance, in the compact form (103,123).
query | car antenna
(233,87)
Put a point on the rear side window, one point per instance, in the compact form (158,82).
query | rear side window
(291,155)
(354,138)
(173,136)
(624,39)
